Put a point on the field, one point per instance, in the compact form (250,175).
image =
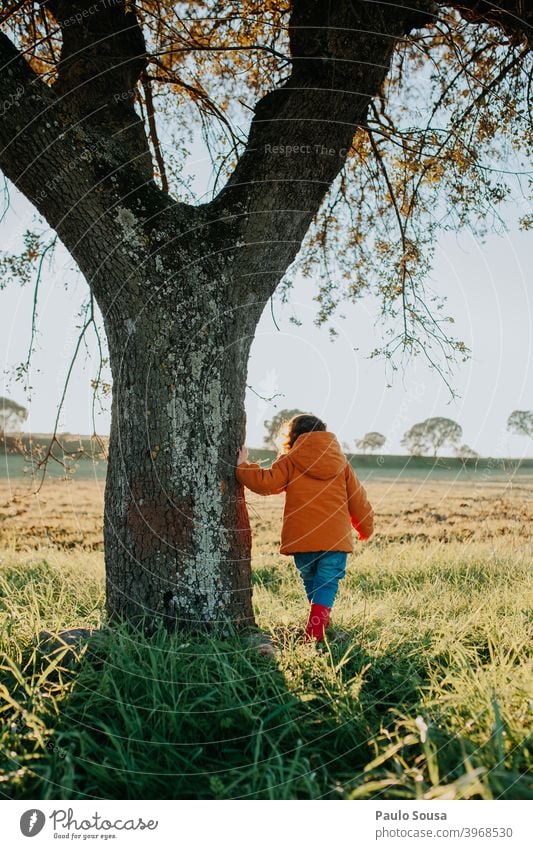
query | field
(424,690)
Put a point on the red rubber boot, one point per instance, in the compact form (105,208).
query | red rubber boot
(317,622)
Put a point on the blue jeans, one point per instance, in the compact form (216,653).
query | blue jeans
(321,572)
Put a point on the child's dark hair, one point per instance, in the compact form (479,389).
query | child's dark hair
(304,423)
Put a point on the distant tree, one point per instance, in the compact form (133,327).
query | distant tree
(12,415)
(372,441)
(464,452)
(431,434)
(521,422)
(415,440)
(274,425)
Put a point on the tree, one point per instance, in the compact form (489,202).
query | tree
(431,435)
(415,440)
(275,424)
(12,415)
(464,453)
(521,422)
(180,286)
(372,441)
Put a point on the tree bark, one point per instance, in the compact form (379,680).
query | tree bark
(177,535)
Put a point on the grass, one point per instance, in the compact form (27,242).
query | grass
(427,696)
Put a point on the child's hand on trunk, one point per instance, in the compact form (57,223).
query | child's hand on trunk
(242,456)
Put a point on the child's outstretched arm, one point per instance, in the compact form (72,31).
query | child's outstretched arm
(263,481)
(359,507)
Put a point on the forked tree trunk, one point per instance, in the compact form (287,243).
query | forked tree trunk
(177,535)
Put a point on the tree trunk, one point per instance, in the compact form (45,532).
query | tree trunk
(177,535)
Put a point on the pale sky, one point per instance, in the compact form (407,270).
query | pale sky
(489,294)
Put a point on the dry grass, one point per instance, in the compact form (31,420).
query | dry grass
(422,511)
(63,515)
(67,514)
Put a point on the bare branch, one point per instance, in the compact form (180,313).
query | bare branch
(49,454)
(49,247)
(150,111)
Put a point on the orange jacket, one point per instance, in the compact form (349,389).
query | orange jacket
(324,498)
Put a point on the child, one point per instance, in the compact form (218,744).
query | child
(323,501)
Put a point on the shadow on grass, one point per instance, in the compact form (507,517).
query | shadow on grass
(175,717)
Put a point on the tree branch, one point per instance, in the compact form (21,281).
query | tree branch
(103,55)
(76,173)
(302,132)
(29,125)
(150,111)
(10,10)
(514,17)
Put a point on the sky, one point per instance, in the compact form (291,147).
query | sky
(488,287)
